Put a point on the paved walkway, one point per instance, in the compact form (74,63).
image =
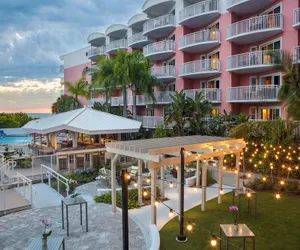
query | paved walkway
(105,229)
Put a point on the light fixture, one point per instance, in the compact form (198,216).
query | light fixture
(277,196)
(248,194)
(213,241)
(128,177)
(189,226)
(249,175)
(145,193)
(156,203)
(171,185)
(171,213)
(148,180)
(264,178)
(281,183)
(135,184)
(221,192)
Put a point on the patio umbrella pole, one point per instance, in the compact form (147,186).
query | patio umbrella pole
(181,237)
(125,209)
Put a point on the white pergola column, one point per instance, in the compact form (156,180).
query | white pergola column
(220,178)
(55,140)
(47,140)
(114,183)
(57,163)
(162,182)
(91,160)
(140,182)
(153,195)
(69,166)
(84,161)
(204,183)
(41,140)
(237,165)
(198,173)
(75,162)
(34,139)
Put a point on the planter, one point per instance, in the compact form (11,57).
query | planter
(44,242)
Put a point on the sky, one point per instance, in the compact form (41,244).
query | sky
(34,33)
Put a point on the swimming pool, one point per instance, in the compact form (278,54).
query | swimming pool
(15,140)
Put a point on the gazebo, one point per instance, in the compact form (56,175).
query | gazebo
(84,128)
(161,152)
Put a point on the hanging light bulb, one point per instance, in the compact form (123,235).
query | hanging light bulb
(148,180)
(135,184)
(224,168)
(281,183)
(156,203)
(264,178)
(289,169)
(221,192)
(248,194)
(296,168)
(171,213)
(189,226)
(249,175)
(277,196)
(171,185)
(128,177)
(213,241)
(145,193)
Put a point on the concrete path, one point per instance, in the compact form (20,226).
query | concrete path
(11,199)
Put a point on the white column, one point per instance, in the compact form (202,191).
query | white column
(55,140)
(220,178)
(91,160)
(57,163)
(162,182)
(114,183)
(84,162)
(119,137)
(34,139)
(153,194)
(198,173)
(41,140)
(47,139)
(204,183)
(140,182)
(69,166)
(237,165)
(75,162)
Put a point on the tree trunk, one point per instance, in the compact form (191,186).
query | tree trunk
(106,101)
(134,102)
(125,103)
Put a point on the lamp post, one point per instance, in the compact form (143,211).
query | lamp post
(181,237)
(125,209)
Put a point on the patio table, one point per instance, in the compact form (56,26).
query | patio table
(240,192)
(72,202)
(243,232)
(53,243)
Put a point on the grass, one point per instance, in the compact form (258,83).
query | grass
(277,226)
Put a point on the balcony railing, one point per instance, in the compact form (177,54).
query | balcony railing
(201,36)
(233,2)
(198,9)
(97,51)
(258,23)
(201,66)
(297,17)
(151,121)
(253,93)
(297,54)
(163,72)
(159,47)
(211,95)
(118,44)
(252,59)
(159,22)
(138,37)
(160,98)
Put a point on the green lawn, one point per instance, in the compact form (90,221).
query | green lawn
(276,227)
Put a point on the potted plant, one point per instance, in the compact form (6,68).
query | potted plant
(19,151)
(234,210)
(73,196)
(46,234)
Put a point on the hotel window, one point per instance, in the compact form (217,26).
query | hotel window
(171,87)
(270,80)
(150,112)
(214,60)
(172,62)
(214,84)
(215,112)
(252,113)
(267,57)
(269,113)
(213,31)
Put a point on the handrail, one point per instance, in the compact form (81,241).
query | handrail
(97,51)
(7,170)
(209,94)
(201,36)
(232,2)
(253,24)
(163,71)
(297,16)
(159,22)
(50,172)
(118,44)
(158,47)
(138,37)
(199,8)
(199,66)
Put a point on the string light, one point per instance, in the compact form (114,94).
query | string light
(128,177)
(277,196)
(264,178)
(148,180)
(189,226)
(213,241)
(249,194)
(171,213)
(281,183)
(145,193)
(221,192)
(135,184)
(249,175)
(156,203)
(171,185)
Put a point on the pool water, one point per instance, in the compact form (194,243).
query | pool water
(15,140)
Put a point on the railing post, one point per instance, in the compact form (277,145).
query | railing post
(30,192)
(42,181)
(49,179)
(58,184)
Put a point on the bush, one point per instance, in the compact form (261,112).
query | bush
(83,176)
(24,163)
(258,185)
(132,198)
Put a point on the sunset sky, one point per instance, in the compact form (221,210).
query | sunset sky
(35,33)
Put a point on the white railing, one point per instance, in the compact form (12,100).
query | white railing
(201,36)
(118,44)
(233,2)
(138,37)
(151,121)
(2,159)
(201,66)
(159,47)
(258,23)
(199,8)
(250,59)
(95,51)
(297,16)
(164,71)
(159,22)
(211,95)
(59,178)
(253,93)
(117,101)
(7,171)
(297,54)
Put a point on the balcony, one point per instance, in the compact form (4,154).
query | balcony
(160,51)
(116,31)
(247,7)
(160,98)
(200,14)
(164,73)
(211,95)
(138,41)
(258,93)
(97,39)
(156,8)
(159,27)
(200,69)
(200,41)
(137,21)
(255,29)
(151,121)
(94,53)
(253,62)
(296,55)
(296,24)
(112,47)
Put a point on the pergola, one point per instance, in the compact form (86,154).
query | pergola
(161,152)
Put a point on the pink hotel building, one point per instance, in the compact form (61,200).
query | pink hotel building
(219,47)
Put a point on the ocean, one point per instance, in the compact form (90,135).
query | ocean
(39,115)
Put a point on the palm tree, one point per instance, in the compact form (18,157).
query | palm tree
(290,89)
(177,112)
(64,103)
(79,88)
